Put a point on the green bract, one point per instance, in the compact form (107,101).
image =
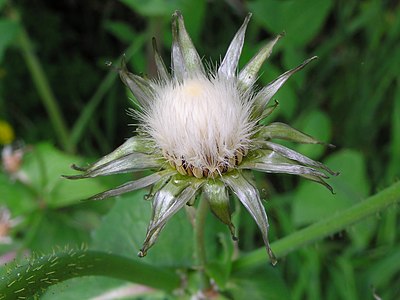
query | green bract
(211,158)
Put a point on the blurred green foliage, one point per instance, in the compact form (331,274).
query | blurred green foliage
(350,97)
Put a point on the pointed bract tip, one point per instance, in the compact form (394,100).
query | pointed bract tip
(274,262)
(330,188)
(332,146)
(272,256)
(302,65)
(94,197)
(77,168)
(232,230)
(73,176)
(246,20)
(154,44)
(123,63)
(86,200)
(177,14)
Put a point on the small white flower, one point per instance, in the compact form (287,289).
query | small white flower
(202,132)
(6,223)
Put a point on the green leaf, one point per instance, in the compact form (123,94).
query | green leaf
(44,166)
(56,228)
(17,197)
(124,228)
(318,125)
(8,32)
(300,19)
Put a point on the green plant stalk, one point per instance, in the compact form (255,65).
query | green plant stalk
(44,90)
(339,221)
(36,275)
(86,116)
(200,248)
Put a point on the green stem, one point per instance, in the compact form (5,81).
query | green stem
(200,248)
(326,227)
(43,88)
(38,274)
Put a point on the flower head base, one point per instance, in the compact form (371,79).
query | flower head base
(201,131)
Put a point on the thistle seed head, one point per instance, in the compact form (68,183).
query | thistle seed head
(202,125)
(201,130)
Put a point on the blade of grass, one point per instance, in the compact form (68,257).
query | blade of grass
(394,165)
(42,85)
(369,207)
(87,113)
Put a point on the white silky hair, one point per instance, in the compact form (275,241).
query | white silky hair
(201,120)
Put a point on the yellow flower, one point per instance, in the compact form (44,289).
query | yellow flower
(6,133)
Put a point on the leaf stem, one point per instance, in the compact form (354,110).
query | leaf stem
(200,248)
(24,281)
(326,227)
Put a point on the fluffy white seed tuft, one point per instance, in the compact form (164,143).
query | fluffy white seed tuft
(201,123)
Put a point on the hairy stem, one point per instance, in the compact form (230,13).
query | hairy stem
(29,279)
(326,227)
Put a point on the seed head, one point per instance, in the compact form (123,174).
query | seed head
(201,125)
(201,130)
